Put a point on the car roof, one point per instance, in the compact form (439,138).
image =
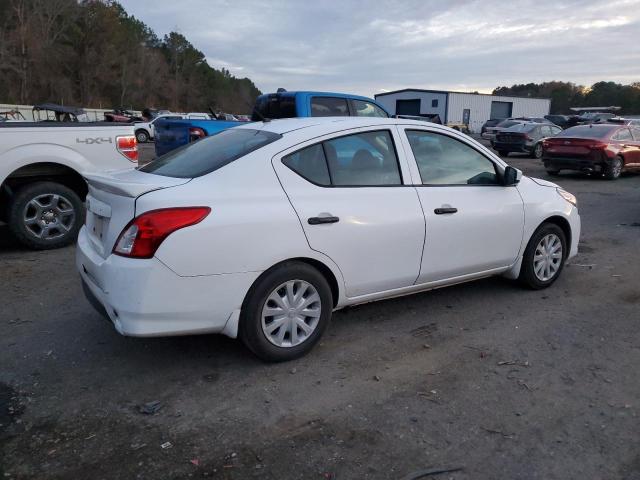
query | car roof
(286,125)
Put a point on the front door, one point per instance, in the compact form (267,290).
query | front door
(474,224)
(349,195)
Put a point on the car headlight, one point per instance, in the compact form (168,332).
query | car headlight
(569,197)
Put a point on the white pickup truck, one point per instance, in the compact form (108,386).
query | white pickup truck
(41,166)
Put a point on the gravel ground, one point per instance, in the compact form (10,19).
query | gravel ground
(502,382)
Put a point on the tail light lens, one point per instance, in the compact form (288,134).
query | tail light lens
(127,145)
(597,145)
(196,133)
(144,234)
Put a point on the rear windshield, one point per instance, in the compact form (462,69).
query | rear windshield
(522,127)
(211,153)
(507,123)
(587,131)
(274,106)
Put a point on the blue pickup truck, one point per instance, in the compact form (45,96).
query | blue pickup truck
(171,134)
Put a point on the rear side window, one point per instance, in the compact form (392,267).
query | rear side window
(367,109)
(211,153)
(361,159)
(636,133)
(329,107)
(274,106)
(623,134)
(310,163)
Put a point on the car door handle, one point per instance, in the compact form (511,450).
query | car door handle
(445,210)
(323,219)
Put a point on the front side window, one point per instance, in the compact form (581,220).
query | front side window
(443,160)
(361,159)
(329,107)
(368,109)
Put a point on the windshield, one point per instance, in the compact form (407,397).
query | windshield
(588,131)
(211,153)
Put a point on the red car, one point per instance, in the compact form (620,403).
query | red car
(608,149)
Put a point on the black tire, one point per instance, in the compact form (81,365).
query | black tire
(527,274)
(503,153)
(142,136)
(59,236)
(613,170)
(250,330)
(536,151)
(553,173)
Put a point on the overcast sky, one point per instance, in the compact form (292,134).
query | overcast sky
(368,47)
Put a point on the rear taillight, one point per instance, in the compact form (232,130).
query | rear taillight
(196,133)
(596,145)
(127,145)
(144,234)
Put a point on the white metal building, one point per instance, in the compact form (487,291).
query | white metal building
(472,109)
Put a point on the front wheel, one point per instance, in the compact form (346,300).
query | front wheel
(285,312)
(614,169)
(544,257)
(45,215)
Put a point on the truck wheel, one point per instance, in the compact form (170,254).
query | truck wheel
(45,215)
(142,136)
(614,169)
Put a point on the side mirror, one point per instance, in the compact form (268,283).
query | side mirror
(511,176)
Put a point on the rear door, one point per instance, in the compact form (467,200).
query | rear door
(474,224)
(349,194)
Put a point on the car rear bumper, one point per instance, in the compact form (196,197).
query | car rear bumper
(585,164)
(144,298)
(511,147)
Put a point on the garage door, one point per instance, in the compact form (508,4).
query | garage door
(408,107)
(501,109)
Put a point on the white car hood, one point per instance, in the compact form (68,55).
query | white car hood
(544,183)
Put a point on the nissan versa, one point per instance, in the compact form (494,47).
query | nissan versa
(263,230)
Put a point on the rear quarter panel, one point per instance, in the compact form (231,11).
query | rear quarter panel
(251,227)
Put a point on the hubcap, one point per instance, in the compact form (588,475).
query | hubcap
(291,313)
(538,151)
(617,167)
(49,216)
(548,257)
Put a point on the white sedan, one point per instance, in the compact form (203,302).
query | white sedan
(263,230)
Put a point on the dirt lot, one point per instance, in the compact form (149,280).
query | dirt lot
(502,382)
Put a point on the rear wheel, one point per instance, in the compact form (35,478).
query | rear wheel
(142,136)
(614,169)
(544,257)
(285,312)
(45,215)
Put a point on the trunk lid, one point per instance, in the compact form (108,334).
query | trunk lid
(111,203)
(567,146)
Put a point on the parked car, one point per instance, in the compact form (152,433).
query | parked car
(608,149)
(490,123)
(175,133)
(594,117)
(560,120)
(490,132)
(145,131)
(302,221)
(51,112)
(41,168)
(524,138)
